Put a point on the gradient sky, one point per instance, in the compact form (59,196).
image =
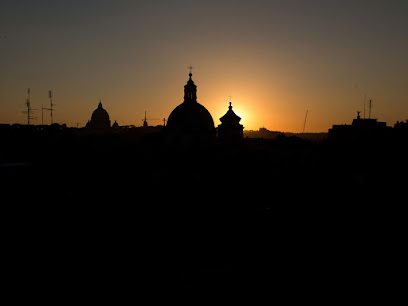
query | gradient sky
(276,58)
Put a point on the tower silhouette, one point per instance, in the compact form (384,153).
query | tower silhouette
(230,131)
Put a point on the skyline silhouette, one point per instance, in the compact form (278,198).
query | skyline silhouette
(100,118)
(276,59)
(29,113)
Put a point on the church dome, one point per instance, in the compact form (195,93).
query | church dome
(100,117)
(190,116)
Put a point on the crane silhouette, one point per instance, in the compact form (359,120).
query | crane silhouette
(145,124)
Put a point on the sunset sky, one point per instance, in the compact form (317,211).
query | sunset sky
(277,59)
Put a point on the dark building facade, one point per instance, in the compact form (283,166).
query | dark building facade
(230,131)
(190,123)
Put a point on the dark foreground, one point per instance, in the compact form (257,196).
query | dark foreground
(105,215)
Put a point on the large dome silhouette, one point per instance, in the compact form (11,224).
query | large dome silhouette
(190,123)
(190,116)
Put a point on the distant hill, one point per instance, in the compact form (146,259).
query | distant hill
(267,134)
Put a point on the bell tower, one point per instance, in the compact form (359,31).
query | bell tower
(230,131)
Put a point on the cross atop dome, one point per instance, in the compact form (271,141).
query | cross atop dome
(191,69)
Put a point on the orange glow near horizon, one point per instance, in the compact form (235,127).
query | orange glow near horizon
(281,107)
(278,113)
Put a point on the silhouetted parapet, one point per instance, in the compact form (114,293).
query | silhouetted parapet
(190,123)
(100,118)
(230,131)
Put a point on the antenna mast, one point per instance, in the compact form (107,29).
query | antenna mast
(29,109)
(369,114)
(51,108)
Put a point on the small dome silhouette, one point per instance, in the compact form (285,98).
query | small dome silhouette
(100,118)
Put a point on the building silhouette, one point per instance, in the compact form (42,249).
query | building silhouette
(190,123)
(360,128)
(230,131)
(100,118)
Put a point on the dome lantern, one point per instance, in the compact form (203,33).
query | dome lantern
(190,90)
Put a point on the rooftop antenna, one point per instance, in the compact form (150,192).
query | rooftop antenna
(29,109)
(304,124)
(369,113)
(51,109)
(51,105)
(364,104)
